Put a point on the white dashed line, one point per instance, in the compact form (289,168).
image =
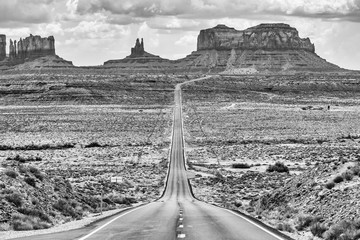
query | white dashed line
(182,235)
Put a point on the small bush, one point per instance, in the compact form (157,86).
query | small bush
(241,165)
(22,223)
(338,179)
(304,221)
(317,229)
(65,208)
(31,181)
(285,227)
(356,170)
(93,144)
(35,213)
(278,167)
(348,176)
(330,185)
(36,173)
(15,198)
(11,173)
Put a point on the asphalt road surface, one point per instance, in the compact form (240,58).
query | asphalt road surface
(177,214)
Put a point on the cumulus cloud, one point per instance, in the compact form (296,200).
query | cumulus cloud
(210,9)
(25,11)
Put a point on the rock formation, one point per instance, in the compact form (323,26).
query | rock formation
(262,37)
(138,50)
(32,47)
(138,58)
(2,47)
(31,52)
(266,47)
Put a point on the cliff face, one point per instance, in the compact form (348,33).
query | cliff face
(264,36)
(2,47)
(32,47)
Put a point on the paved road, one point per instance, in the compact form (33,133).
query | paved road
(177,214)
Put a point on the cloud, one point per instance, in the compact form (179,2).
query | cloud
(25,11)
(139,10)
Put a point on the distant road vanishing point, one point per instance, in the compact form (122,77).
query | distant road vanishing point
(177,214)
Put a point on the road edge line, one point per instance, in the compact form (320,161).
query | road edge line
(104,225)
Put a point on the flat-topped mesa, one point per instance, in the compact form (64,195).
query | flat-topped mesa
(276,36)
(2,47)
(32,47)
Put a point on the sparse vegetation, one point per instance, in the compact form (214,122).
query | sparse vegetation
(343,230)
(317,229)
(348,175)
(22,222)
(330,185)
(93,144)
(31,181)
(286,227)
(15,198)
(278,167)
(338,179)
(11,173)
(241,165)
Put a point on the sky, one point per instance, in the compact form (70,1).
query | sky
(90,32)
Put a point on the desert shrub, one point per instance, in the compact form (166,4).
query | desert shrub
(23,169)
(278,167)
(338,179)
(31,181)
(22,223)
(348,176)
(356,170)
(15,198)
(35,213)
(93,144)
(317,229)
(330,185)
(23,159)
(65,208)
(286,227)
(241,165)
(304,221)
(36,173)
(343,230)
(11,173)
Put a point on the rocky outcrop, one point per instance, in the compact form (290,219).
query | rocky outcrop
(262,37)
(2,47)
(138,58)
(32,47)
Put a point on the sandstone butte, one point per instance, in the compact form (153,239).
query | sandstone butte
(29,49)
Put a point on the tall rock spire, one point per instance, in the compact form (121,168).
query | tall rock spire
(2,47)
